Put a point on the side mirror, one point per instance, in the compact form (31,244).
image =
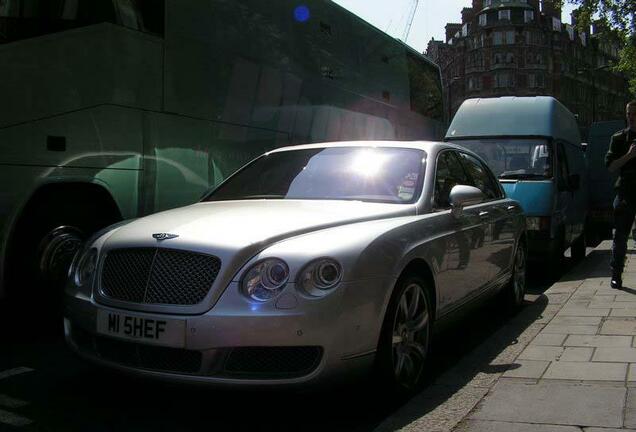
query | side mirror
(574,182)
(462,196)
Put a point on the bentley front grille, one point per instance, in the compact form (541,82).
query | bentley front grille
(158,276)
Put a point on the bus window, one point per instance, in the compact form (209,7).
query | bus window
(22,19)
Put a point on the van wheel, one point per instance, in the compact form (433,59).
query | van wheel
(405,337)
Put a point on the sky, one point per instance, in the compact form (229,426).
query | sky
(430,18)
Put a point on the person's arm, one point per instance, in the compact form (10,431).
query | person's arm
(615,158)
(617,164)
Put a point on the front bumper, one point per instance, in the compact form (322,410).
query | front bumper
(242,343)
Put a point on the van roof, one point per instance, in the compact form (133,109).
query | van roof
(540,116)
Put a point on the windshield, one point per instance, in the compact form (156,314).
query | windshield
(514,158)
(391,175)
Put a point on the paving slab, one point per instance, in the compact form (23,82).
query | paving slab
(618,327)
(554,402)
(493,426)
(598,341)
(581,311)
(537,352)
(576,320)
(627,313)
(594,429)
(577,354)
(527,369)
(630,409)
(631,373)
(549,339)
(623,354)
(571,329)
(586,371)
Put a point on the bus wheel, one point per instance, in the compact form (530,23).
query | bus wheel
(56,251)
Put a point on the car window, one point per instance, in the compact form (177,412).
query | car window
(449,172)
(480,177)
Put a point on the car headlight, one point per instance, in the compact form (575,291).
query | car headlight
(265,279)
(84,267)
(320,276)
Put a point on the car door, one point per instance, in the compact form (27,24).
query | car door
(494,213)
(459,272)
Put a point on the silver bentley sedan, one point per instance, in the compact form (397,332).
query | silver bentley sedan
(310,263)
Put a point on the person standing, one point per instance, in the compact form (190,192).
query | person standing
(622,156)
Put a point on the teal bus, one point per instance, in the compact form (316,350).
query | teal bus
(114,109)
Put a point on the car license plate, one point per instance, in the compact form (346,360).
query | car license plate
(152,330)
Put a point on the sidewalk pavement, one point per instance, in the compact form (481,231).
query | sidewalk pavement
(566,363)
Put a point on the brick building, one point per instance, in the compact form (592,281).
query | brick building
(521,48)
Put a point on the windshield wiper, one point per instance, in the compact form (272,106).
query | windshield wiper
(520,176)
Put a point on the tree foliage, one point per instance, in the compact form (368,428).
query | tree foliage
(619,16)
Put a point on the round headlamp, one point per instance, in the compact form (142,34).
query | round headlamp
(266,279)
(85,268)
(320,276)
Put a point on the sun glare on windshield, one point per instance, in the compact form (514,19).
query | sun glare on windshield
(368,163)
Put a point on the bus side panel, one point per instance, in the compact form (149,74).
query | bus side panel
(79,68)
(184,157)
(267,67)
(97,137)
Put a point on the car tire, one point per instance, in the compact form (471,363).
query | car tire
(514,292)
(405,337)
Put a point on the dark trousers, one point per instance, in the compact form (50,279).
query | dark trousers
(624,213)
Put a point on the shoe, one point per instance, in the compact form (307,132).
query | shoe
(616,282)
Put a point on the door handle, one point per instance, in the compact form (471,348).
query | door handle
(510,207)
(483,214)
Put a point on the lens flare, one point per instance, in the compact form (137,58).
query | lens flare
(301,13)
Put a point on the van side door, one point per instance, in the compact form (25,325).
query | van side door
(569,216)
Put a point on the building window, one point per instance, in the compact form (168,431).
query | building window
(497,38)
(465,30)
(510,37)
(497,58)
(536,81)
(556,24)
(474,83)
(510,57)
(503,79)
(483,19)
(528,16)
(487,3)
(504,14)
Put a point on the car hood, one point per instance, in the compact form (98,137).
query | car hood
(235,231)
(239,224)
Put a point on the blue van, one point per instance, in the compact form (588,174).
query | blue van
(533,145)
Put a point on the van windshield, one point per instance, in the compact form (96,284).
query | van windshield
(514,158)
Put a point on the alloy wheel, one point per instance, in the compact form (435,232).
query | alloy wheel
(410,336)
(519,279)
